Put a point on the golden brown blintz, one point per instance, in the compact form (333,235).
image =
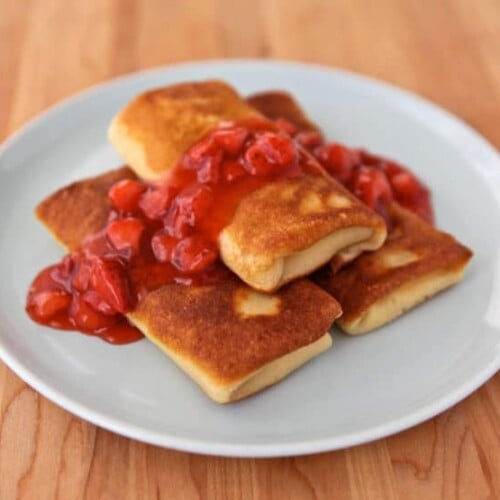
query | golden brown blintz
(234,341)
(231,340)
(156,128)
(416,262)
(290,227)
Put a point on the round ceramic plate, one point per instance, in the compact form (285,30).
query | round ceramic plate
(361,389)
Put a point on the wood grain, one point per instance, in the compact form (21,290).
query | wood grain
(447,51)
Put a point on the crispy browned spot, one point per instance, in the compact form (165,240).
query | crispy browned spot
(279,104)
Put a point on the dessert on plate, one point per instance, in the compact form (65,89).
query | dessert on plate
(415,262)
(279,216)
(232,340)
(236,236)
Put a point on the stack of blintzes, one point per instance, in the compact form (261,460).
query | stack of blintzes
(416,261)
(230,242)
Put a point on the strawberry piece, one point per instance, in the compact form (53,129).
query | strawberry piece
(199,152)
(195,201)
(278,148)
(231,140)
(194,254)
(65,268)
(208,169)
(372,187)
(156,201)
(125,234)
(405,186)
(309,139)
(412,194)
(93,299)
(61,273)
(124,195)
(256,162)
(109,279)
(95,244)
(48,303)
(81,277)
(163,245)
(338,160)
(269,154)
(190,206)
(370,159)
(286,126)
(233,170)
(178,224)
(390,168)
(88,319)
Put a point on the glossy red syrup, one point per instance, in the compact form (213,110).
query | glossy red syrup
(163,233)
(167,232)
(373,179)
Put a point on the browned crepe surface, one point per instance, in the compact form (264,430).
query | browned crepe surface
(209,324)
(277,104)
(288,215)
(79,209)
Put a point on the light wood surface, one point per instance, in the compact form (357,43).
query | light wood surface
(447,51)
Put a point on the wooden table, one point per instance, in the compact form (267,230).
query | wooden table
(447,51)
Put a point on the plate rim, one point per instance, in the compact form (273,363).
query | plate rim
(208,447)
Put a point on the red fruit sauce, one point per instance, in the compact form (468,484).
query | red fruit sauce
(373,179)
(163,233)
(167,232)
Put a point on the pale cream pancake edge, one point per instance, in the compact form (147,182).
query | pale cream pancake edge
(274,273)
(348,254)
(222,391)
(130,149)
(401,300)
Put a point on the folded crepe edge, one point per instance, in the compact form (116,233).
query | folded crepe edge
(401,300)
(422,262)
(346,244)
(222,390)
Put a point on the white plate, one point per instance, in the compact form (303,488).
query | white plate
(363,388)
